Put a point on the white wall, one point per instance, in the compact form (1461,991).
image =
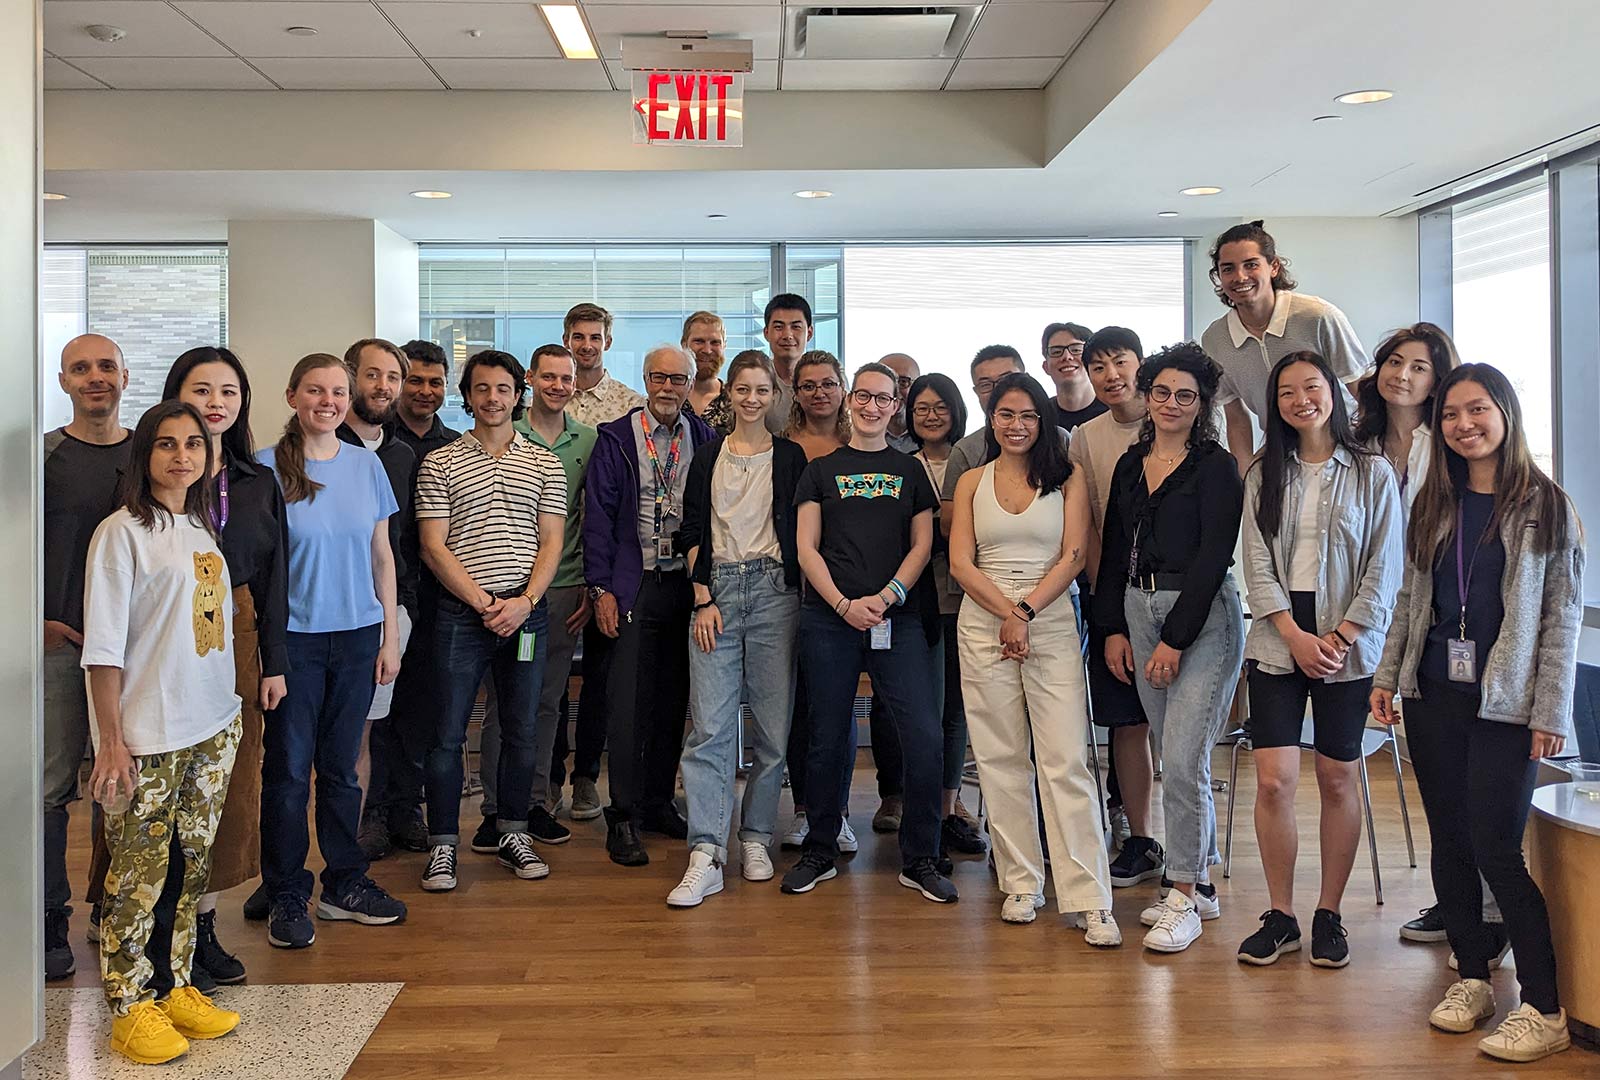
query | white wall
(395,300)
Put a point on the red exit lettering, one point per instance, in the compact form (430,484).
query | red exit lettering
(697,102)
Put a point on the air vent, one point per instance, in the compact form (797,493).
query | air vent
(878,33)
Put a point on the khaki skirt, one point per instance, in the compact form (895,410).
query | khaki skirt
(236,852)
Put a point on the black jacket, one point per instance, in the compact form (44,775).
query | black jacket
(400,465)
(788,462)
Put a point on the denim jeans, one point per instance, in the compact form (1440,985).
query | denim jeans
(318,724)
(756,648)
(835,655)
(464,652)
(799,747)
(552,715)
(66,740)
(1188,717)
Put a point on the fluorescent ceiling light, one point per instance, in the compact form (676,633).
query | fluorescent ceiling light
(566,24)
(813,193)
(430,195)
(1364,97)
(1167,213)
(51,196)
(1203,190)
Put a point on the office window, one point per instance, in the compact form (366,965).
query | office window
(817,273)
(155,302)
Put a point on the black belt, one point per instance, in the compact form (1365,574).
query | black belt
(1157,582)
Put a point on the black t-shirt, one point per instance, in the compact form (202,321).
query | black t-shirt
(1485,605)
(80,491)
(1071,418)
(868,499)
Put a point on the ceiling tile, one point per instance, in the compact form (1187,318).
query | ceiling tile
(763,76)
(60,75)
(153,30)
(1030,29)
(258,28)
(441,29)
(864,74)
(762,25)
(590,5)
(522,74)
(1014,74)
(361,73)
(201,73)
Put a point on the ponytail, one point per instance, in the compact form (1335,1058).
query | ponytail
(289,460)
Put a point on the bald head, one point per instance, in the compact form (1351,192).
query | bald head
(93,346)
(668,371)
(93,376)
(906,372)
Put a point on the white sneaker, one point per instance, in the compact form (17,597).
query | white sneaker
(1208,907)
(798,830)
(702,879)
(847,838)
(757,862)
(440,873)
(1100,928)
(1494,961)
(1527,1035)
(1464,1004)
(1178,926)
(1020,908)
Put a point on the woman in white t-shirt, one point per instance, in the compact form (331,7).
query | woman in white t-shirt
(165,719)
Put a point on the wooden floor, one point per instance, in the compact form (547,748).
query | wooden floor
(588,974)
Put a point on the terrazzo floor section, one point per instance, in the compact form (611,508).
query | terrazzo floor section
(311,1032)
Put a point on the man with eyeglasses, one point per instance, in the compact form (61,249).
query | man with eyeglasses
(1062,345)
(906,372)
(787,326)
(633,508)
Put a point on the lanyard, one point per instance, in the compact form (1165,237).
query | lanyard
(663,474)
(1464,574)
(219,515)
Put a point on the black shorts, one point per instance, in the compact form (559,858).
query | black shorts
(1278,702)
(1113,702)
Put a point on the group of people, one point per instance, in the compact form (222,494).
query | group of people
(750,537)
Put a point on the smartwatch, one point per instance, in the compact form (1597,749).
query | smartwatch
(1027,611)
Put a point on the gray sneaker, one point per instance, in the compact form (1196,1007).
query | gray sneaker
(585,799)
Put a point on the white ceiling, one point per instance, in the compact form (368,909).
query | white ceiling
(430,45)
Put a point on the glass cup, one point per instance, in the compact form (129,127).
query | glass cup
(1585,778)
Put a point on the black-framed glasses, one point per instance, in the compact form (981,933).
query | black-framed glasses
(866,397)
(1056,352)
(827,385)
(923,411)
(662,378)
(1161,394)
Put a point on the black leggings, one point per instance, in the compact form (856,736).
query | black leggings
(1476,781)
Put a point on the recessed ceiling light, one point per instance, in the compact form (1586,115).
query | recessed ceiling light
(1202,190)
(302,31)
(51,196)
(1166,213)
(567,25)
(1364,97)
(716,217)
(1326,116)
(813,193)
(430,195)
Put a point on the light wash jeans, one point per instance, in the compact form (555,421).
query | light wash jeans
(760,617)
(1188,717)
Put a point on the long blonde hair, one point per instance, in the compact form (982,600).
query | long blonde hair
(797,415)
(290,458)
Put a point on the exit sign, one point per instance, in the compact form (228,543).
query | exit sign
(688,108)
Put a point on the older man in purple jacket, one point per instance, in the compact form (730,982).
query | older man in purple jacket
(633,506)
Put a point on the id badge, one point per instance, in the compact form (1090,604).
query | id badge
(664,548)
(878,636)
(1461,660)
(525,640)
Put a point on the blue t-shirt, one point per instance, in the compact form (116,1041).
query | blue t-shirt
(330,542)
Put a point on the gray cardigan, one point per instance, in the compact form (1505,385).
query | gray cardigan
(1529,673)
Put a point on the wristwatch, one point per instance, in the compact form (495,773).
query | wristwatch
(597,591)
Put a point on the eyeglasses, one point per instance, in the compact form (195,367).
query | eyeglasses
(826,385)
(1161,394)
(922,412)
(984,386)
(1056,352)
(662,378)
(865,397)
(1005,418)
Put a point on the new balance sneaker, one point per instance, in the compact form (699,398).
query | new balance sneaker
(585,799)
(1176,928)
(58,959)
(1099,928)
(543,827)
(361,900)
(440,873)
(373,835)
(890,811)
(1427,927)
(288,924)
(146,1035)
(194,1016)
(1140,859)
(795,835)
(923,875)
(211,957)
(848,844)
(1330,947)
(757,862)
(1205,902)
(804,875)
(702,879)
(1502,942)
(1021,908)
(957,835)
(1465,1003)
(257,906)
(518,856)
(407,829)
(624,846)
(486,841)
(1279,934)
(1527,1035)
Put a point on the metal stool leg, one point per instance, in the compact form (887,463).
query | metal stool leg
(1400,786)
(1233,783)
(1372,837)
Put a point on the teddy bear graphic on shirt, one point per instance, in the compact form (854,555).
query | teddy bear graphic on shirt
(209,633)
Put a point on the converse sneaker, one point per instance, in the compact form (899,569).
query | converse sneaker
(360,900)
(209,954)
(1428,926)
(486,841)
(923,875)
(1177,927)
(1464,1004)
(757,862)
(1140,859)
(848,844)
(1279,934)
(518,856)
(585,799)
(288,925)
(1205,900)
(795,835)
(1527,1035)
(440,873)
(1021,908)
(1502,942)
(1100,928)
(804,875)
(702,879)
(1330,948)
(543,827)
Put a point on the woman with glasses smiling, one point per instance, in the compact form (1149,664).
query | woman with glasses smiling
(1168,604)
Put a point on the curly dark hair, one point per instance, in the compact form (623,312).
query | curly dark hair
(1254,231)
(1191,359)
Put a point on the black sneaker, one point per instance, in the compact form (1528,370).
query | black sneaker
(543,827)
(288,925)
(1329,947)
(1140,859)
(959,835)
(257,906)
(518,856)
(486,841)
(373,836)
(199,978)
(1427,927)
(58,959)
(209,954)
(361,900)
(922,875)
(804,875)
(624,846)
(1279,934)
(407,830)
(667,821)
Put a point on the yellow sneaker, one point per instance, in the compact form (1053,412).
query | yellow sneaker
(192,1013)
(146,1035)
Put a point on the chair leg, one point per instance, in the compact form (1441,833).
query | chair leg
(1233,785)
(1400,786)
(1099,786)
(1372,836)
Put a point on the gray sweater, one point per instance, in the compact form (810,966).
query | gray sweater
(1529,673)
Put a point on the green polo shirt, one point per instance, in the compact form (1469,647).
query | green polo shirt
(574,447)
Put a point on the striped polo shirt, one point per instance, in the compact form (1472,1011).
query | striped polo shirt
(493,505)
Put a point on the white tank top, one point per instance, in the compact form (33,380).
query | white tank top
(1015,546)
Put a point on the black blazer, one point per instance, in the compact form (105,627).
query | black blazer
(788,462)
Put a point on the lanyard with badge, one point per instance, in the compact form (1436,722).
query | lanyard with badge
(1461,654)
(664,508)
(219,514)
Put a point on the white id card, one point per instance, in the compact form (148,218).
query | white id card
(664,548)
(878,636)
